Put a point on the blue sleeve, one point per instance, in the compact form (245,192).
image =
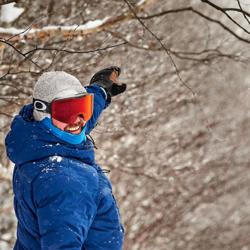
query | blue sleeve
(100,103)
(65,209)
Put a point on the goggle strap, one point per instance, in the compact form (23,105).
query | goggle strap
(41,106)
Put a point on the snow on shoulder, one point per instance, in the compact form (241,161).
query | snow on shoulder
(55,158)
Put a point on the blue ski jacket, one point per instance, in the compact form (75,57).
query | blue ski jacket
(62,198)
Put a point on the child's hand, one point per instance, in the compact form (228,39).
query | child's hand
(107,78)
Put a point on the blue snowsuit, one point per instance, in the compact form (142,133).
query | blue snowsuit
(62,198)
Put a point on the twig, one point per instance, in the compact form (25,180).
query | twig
(163,46)
(5,114)
(243,12)
(224,11)
(208,54)
(20,52)
(190,9)
(25,30)
(74,51)
(66,31)
(194,94)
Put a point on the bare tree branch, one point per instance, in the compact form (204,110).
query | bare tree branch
(163,46)
(20,52)
(224,11)
(26,29)
(191,9)
(243,12)
(68,31)
(74,51)
(204,55)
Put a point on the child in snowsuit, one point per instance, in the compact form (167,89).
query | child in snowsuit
(62,198)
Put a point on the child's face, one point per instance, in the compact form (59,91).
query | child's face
(73,128)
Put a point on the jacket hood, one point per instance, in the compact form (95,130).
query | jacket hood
(29,140)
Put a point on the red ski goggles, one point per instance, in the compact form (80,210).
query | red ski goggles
(68,109)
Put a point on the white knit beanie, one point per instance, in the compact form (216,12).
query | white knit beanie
(55,84)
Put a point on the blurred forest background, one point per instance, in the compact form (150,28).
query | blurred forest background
(177,142)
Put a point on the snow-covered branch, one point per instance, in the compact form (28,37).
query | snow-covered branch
(15,34)
(75,29)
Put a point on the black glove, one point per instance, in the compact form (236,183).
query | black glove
(102,78)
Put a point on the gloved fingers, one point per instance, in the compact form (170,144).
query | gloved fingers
(117,69)
(107,78)
(117,89)
(105,74)
(114,77)
(110,69)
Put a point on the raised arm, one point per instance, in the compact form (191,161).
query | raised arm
(100,103)
(104,86)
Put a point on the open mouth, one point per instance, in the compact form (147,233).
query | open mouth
(72,128)
(75,128)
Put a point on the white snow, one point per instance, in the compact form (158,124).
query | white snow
(140,2)
(47,169)
(106,191)
(56,158)
(128,140)
(87,26)
(9,12)
(12,31)
(93,24)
